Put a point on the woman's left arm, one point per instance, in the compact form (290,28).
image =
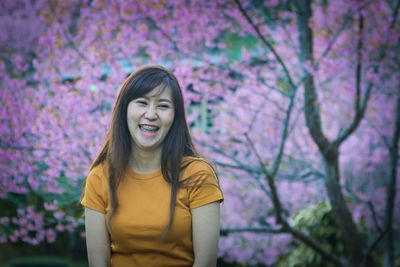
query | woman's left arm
(205,228)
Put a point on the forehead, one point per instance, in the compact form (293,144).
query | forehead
(161,91)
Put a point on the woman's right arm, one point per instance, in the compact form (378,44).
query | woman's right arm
(97,239)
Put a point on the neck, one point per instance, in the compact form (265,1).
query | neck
(145,161)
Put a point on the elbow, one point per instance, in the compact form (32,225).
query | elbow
(99,263)
(210,262)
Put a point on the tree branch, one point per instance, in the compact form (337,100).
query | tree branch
(395,14)
(314,245)
(278,209)
(250,171)
(373,246)
(238,167)
(359,62)
(329,151)
(270,179)
(334,38)
(286,227)
(361,110)
(266,43)
(256,113)
(391,188)
(80,54)
(18,147)
(255,229)
(372,209)
(150,21)
(312,115)
(284,135)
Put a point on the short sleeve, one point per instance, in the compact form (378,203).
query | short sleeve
(206,187)
(93,195)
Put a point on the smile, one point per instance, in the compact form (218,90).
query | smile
(148,130)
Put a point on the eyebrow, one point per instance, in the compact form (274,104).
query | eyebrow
(165,100)
(160,100)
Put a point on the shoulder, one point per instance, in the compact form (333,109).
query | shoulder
(200,180)
(99,171)
(195,164)
(197,169)
(95,192)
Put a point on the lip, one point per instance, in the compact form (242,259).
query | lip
(146,124)
(149,134)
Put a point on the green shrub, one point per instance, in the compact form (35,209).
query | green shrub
(318,222)
(39,262)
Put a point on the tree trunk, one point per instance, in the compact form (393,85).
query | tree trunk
(343,217)
(391,196)
(344,220)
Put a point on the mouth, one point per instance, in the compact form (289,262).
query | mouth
(148,130)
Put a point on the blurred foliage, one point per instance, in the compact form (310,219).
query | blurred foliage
(68,204)
(234,45)
(40,262)
(68,245)
(317,221)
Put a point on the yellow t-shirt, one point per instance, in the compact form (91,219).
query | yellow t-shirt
(143,214)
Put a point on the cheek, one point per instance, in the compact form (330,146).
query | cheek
(168,119)
(131,121)
(171,119)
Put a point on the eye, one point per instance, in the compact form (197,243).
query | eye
(141,102)
(163,106)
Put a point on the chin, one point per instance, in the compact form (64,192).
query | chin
(149,147)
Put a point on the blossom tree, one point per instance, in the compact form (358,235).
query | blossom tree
(292,100)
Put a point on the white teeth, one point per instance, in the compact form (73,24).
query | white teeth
(149,128)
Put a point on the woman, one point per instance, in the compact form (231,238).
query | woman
(149,199)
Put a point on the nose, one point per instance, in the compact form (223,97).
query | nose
(151,113)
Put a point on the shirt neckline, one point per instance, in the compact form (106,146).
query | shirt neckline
(144,176)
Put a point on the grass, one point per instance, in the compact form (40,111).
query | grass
(72,263)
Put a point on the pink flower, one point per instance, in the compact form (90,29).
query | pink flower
(83,234)
(51,206)
(13,237)
(60,227)
(70,228)
(59,215)
(4,220)
(3,239)
(50,235)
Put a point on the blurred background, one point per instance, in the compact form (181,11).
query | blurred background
(297,103)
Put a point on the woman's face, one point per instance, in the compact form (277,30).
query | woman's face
(150,117)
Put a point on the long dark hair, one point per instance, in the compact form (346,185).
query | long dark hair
(116,150)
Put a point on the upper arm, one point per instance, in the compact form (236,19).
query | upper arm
(205,231)
(97,238)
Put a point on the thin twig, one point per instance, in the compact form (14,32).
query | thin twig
(311,243)
(266,42)
(361,111)
(334,38)
(238,165)
(284,135)
(373,246)
(359,63)
(372,209)
(255,229)
(270,179)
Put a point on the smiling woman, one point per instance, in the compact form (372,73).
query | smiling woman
(149,119)
(149,199)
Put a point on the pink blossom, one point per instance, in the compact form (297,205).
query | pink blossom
(4,220)
(51,206)
(50,235)
(60,227)
(59,215)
